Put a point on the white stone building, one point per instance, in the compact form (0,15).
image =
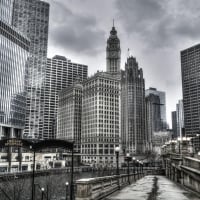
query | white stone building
(100,119)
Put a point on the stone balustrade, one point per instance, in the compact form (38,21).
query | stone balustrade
(100,187)
(184,170)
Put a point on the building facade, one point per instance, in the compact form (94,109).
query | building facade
(60,73)
(154,109)
(132,108)
(32,18)
(174,124)
(148,124)
(14,53)
(14,47)
(152,117)
(162,97)
(69,114)
(180,118)
(100,119)
(113,52)
(190,67)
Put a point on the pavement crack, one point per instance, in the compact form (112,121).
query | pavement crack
(154,192)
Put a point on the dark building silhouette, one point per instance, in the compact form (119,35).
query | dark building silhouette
(174,124)
(132,107)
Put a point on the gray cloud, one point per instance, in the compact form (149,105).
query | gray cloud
(155,30)
(75,32)
(161,24)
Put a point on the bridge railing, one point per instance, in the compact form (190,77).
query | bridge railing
(100,187)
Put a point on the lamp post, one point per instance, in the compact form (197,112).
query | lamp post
(133,159)
(117,149)
(33,175)
(137,168)
(198,135)
(72,176)
(141,165)
(128,158)
(42,190)
(179,145)
(66,184)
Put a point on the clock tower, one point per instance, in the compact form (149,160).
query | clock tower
(113,52)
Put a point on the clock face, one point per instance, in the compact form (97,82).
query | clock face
(113,46)
(113,54)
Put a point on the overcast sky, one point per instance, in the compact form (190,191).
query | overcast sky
(154,30)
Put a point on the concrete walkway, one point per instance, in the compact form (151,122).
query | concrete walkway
(153,188)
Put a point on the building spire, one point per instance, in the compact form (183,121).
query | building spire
(113,23)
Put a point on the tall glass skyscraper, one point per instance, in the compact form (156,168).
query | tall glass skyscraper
(14,49)
(190,67)
(162,97)
(180,118)
(32,18)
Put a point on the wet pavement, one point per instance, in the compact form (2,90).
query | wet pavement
(153,188)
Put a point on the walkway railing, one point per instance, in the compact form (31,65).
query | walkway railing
(100,187)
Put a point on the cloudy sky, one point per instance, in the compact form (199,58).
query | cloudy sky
(154,30)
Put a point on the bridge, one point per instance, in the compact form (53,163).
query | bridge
(180,180)
(145,183)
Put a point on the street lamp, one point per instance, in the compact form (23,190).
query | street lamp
(141,167)
(133,159)
(33,174)
(137,168)
(42,189)
(128,158)
(179,144)
(117,149)
(66,184)
(198,144)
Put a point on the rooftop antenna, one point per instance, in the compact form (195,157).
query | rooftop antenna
(113,23)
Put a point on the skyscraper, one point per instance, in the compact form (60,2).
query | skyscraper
(180,118)
(162,97)
(132,108)
(60,73)
(100,119)
(154,109)
(14,47)
(174,124)
(190,67)
(152,118)
(32,18)
(113,52)
(69,114)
